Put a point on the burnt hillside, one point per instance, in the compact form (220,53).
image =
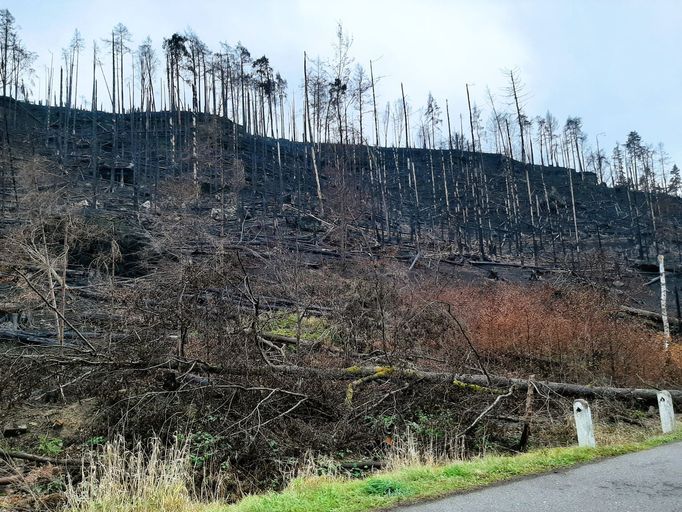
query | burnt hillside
(463,202)
(167,274)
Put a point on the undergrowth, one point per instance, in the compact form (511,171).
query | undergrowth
(562,333)
(307,327)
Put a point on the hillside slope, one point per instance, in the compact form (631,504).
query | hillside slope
(169,276)
(475,203)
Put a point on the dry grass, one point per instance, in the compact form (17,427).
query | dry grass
(314,465)
(143,479)
(407,451)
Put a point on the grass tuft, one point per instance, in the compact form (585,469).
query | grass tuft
(144,479)
(377,486)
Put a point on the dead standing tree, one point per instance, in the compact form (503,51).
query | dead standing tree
(515,91)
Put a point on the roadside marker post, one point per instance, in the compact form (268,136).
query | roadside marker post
(583,423)
(665,408)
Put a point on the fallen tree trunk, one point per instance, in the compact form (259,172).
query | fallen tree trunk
(28,338)
(471,381)
(50,338)
(363,465)
(516,265)
(289,340)
(8,480)
(649,315)
(8,454)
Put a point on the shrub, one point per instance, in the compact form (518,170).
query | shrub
(564,334)
(49,446)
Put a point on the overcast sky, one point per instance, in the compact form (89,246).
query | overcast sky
(615,63)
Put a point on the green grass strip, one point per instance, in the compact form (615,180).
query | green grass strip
(325,494)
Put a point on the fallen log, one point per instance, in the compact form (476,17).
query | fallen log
(649,315)
(289,340)
(652,281)
(10,307)
(47,338)
(470,381)
(8,480)
(363,465)
(9,454)
(29,338)
(516,265)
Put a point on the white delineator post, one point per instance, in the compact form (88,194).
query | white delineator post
(665,408)
(664,302)
(583,423)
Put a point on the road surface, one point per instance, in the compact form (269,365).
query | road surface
(649,481)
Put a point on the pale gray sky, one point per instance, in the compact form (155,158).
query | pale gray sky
(614,63)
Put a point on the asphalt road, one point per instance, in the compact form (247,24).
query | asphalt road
(649,481)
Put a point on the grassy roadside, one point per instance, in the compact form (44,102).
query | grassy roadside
(130,481)
(425,482)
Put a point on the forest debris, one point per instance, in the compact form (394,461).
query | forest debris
(12,479)
(560,388)
(487,410)
(9,454)
(516,265)
(14,430)
(649,315)
(29,338)
(57,312)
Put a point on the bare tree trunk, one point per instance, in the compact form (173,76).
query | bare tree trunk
(94,143)
(317,178)
(113,73)
(664,302)
(307,127)
(407,139)
(195,175)
(63,294)
(477,191)
(575,217)
(374,102)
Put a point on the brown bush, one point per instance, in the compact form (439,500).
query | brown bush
(565,334)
